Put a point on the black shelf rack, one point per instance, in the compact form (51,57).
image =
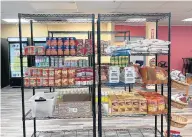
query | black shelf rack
(123,18)
(56,18)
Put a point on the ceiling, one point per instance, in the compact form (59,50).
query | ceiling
(180,10)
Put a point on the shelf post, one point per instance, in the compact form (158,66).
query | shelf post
(92,36)
(32,42)
(169,78)
(22,85)
(99,75)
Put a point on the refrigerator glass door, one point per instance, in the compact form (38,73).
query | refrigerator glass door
(15,59)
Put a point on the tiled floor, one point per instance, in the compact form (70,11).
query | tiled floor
(11,123)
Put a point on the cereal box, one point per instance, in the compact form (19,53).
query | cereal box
(33,82)
(66,45)
(58,82)
(71,81)
(53,46)
(71,72)
(60,46)
(51,72)
(45,72)
(73,46)
(64,82)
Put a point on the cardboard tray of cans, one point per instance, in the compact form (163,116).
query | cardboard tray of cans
(75,106)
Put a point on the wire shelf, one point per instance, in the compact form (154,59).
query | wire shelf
(59,55)
(112,132)
(56,115)
(56,18)
(128,18)
(47,87)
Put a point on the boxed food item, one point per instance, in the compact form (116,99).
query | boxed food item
(53,46)
(64,72)
(33,82)
(78,81)
(48,46)
(71,72)
(58,82)
(45,81)
(39,81)
(152,105)
(114,73)
(40,72)
(135,105)
(66,45)
(58,73)
(79,72)
(113,105)
(51,81)
(121,104)
(73,46)
(75,106)
(26,50)
(26,82)
(127,75)
(80,46)
(40,50)
(51,72)
(71,81)
(129,105)
(45,72)
(83,81)
(60,46)
(65,82)
(143,106)
(34,72)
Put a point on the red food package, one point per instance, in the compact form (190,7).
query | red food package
(45,72)
(40,50)
(58,72)
(40,72)
(71,72)
(51,72)
(51,81)
(60,46)
(58,82)
(33,82)
(65,82)
(45,81)
(35,72)
(78,81)
(26,50)
(39,81)
(31,50)
(64,72)
(26,82)
(73,46)
(71,81)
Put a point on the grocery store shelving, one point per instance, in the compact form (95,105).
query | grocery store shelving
(57,18)
(122,18)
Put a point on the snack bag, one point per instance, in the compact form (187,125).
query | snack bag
(79,43)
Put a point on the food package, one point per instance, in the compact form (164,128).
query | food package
(89,80)
(143,106)
(53,46)
(71,72)
(40,50)
(33,82)
(58,82)
(51,72)
(88,46)
(161,104)
(113,105)
(34,72)
(79,72)
(77,81)
(65,82)
(121,105)
(26,50)
(73,46)
(26,82)
(45,72)
(83,81)
(60,46)
(80,46)
(152,105)
(58,73)
(31,50)
(71,81)
(161,74)
(89,71)
(129,105)
(64,72)
(127,75)
(39,81)
(51,81)
(114,73)
(144,74)
(45,81)
(135,105)
(40,72)
(48,46)
(66,45)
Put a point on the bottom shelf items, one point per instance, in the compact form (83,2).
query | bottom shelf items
(131,132)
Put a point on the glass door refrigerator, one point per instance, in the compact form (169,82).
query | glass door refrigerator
(14,59)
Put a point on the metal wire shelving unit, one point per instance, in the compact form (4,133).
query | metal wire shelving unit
(123,18)
(57,18)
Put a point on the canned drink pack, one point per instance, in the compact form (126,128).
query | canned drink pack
(66,45)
